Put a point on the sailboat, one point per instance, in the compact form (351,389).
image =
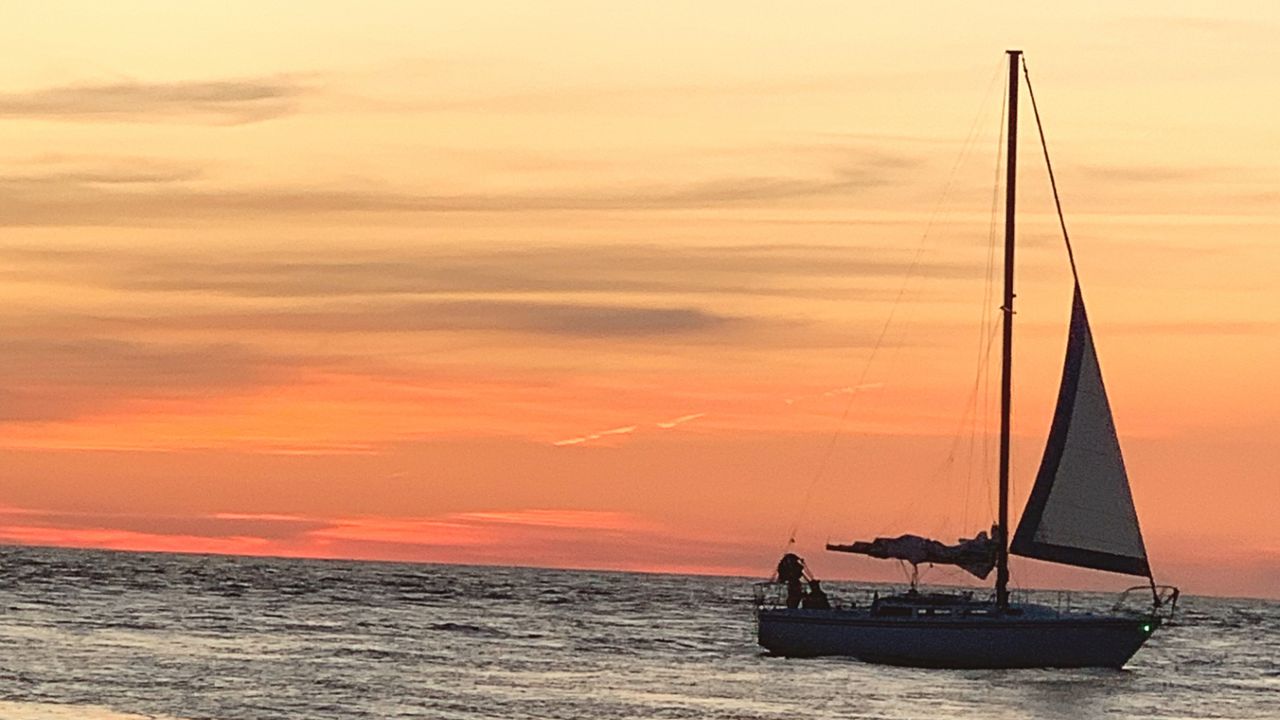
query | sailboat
(1080,512)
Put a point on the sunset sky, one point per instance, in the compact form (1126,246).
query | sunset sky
(625,285)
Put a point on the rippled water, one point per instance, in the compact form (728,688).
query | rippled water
(123,635)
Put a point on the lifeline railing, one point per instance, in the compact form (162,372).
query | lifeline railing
(774,595)
(1164,599)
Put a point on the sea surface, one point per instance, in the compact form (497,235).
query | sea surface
(119,636)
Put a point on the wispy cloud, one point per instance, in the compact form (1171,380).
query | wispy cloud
(270,517)
(562,537)
(1258,328)
(47,379)
(571,519)
(112,539)
(80,201)
(581,320)
(144,174)
(263,527)
(211,101)
(780,269)
(1154,173)
(558,535)
(551,97)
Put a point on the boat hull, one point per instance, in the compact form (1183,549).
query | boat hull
(1029,640)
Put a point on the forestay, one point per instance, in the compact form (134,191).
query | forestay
(1081,511)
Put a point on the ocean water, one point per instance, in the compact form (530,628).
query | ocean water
(120,636)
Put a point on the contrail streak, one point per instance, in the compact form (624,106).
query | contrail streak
(597,435)
(848,390)
(627,430)
(679,421)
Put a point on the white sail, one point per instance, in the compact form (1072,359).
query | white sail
(1081,511)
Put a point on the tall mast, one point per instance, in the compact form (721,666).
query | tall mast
(1006,365)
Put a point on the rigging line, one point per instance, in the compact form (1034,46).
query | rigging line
(969,419)
(970,140)
(911,270)
(980,417)
(989,299)
(1052,182)
(987,328)
(946,472)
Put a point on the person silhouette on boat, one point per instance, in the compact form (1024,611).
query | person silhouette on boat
(795,594)
(816,599)
(791,572)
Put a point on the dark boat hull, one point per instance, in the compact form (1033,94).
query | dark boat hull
(1028,640)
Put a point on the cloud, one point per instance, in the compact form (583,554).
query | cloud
(99,363)
(537,536)
(553,98)
(82,201)
(783,269)
(321,536)
(110,539)
(571,519)
(184,328)
(49,379)
(1260,328)
(274,517)
(581,320)
(123,175)
(1165,173)
(215,101)
(213,526)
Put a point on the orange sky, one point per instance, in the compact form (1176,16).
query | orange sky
(583,285)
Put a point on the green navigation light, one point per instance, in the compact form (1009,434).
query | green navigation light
(1146,627)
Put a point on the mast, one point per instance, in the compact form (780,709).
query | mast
(1006,365)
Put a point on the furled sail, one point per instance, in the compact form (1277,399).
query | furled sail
(976,555)
(1081,511)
